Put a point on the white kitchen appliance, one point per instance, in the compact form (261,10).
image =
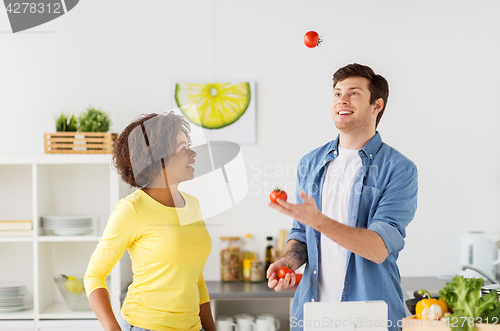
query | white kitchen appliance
(479,252)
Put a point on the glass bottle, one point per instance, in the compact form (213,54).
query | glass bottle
(230,259)
(247,256)
(249,248)
(247,266)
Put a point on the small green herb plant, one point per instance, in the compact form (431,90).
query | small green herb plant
(90,120)
(93,120)
(64,123)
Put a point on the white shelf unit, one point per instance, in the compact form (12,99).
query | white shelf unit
(32,186)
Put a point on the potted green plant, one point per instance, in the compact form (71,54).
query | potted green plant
(93,120)
(88,133)
(64,123)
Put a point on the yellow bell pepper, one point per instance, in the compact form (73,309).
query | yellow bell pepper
(430,309)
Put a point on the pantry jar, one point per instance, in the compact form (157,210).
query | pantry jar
(257,271)
(230,259)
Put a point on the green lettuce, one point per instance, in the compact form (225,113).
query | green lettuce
(463,296)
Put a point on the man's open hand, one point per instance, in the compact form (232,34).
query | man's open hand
(306,213)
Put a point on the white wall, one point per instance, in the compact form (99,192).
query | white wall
(441,59)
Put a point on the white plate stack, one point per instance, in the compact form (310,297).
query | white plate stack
(67,225)
(13,296)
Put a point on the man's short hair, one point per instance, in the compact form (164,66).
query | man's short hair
(378,86)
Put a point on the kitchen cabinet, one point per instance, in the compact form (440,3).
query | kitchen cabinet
(233,298)
(17,325)
(32,186)
(73,325)
(250,298)
(254,299)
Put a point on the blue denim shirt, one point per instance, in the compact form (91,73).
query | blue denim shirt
(383,199)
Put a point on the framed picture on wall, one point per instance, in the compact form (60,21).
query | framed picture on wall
(217,111)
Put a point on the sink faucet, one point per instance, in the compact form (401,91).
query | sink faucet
(465,267)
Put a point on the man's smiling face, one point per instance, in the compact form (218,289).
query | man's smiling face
(351,109)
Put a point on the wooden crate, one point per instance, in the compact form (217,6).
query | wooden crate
(79,142)
(413,324)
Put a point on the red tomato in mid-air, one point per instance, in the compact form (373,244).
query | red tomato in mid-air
(283,271)
(278,194)
(311,39)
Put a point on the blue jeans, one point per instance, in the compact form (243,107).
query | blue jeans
(125,326)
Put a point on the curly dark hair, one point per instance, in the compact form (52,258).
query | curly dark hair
(144,143)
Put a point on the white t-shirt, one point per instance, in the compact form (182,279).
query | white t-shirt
(335,202)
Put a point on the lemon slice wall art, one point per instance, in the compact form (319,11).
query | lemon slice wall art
(225,111)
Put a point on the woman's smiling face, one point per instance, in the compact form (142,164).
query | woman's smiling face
(180,165)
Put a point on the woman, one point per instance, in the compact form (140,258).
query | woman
(161,228)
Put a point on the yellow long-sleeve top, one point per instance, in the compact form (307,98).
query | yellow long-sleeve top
(167,261)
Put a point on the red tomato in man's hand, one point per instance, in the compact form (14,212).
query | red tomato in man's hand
(311,39)
(283,271)
(278,194)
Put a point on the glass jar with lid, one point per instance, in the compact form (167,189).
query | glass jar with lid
(230,259)
(257,271)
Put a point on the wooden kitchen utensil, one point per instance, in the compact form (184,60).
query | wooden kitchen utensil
(283,234)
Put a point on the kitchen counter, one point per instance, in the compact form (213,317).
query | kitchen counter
(242,290)
(431,284)
(257,297)
(245,290)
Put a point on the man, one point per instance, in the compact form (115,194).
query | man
(355,197)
